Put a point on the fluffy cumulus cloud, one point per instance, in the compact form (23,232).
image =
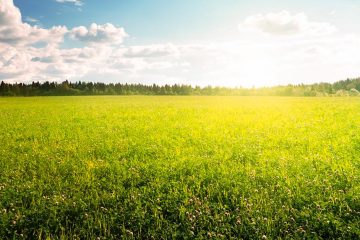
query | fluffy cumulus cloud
(13,63)
(106,33)
(285,23)
(17,40)
(22,60)
(13,31)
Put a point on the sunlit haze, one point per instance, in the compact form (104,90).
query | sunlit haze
(202,42)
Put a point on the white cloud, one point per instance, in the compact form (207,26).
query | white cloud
(75,2)
(13,31)
(21,61)
(15,64)
(9,14)
(284,23)
(106,33)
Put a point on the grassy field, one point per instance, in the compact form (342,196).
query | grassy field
(179,168)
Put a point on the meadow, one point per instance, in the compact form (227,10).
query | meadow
(139,167)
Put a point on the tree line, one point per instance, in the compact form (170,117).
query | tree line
(349,87)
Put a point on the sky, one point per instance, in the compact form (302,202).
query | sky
(199,42)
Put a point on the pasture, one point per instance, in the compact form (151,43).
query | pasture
(139,167)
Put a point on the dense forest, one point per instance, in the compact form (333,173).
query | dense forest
(349,87)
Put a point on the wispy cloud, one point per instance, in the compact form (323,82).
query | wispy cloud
(75,2)
(285,23)
(31,20)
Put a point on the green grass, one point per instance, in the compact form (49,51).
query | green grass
(179,168)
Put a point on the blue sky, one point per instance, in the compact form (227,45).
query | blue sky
(198,42)
(179,20)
